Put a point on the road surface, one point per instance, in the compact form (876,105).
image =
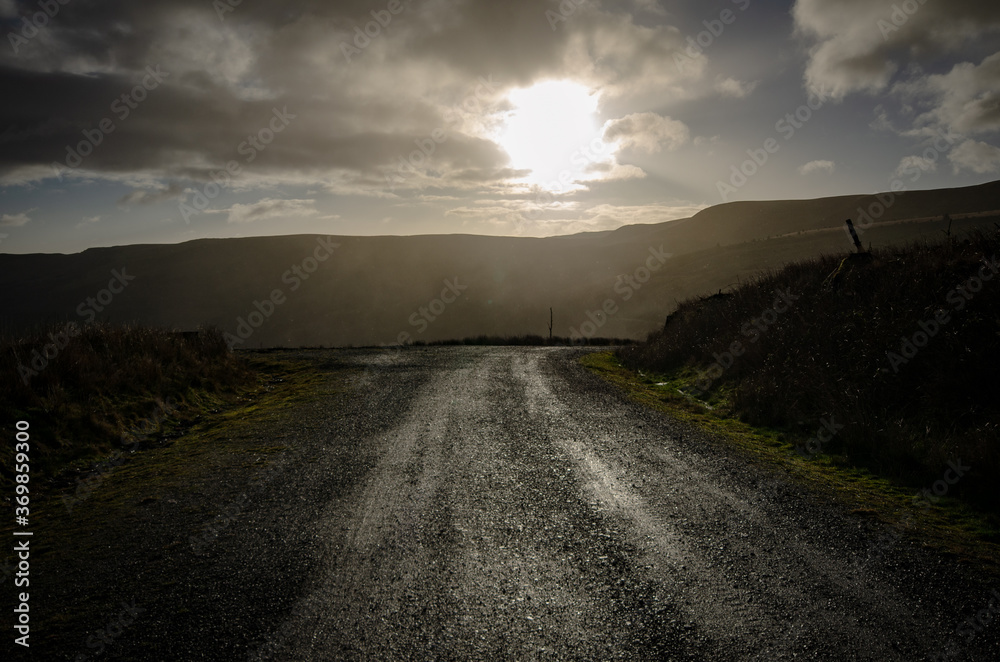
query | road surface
(476,503)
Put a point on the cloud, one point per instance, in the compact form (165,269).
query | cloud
(913,54)
(513,217)
(268,209)
(859,45)
(882,122)
(914,164)
(966,99)
(979,157)
(821,165)
(16,220)
(848,53)
(88,221)
(612,52)
(148,197)
(630,215)
(647,132)
(353,120)
(730,87)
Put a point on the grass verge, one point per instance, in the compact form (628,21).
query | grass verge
(898,346)
(67,512)
(195,485)
(947,525)
(106,390)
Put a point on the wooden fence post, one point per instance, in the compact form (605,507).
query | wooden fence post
(854,236)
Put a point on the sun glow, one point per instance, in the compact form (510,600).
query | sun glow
(553,131)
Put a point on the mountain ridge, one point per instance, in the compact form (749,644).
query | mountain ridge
(372,286)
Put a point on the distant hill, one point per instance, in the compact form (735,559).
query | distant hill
(372,289)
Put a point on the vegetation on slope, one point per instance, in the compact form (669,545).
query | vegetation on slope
(887,361)
(96,390)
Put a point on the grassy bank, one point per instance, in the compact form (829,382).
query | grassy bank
(98,390)
(948,524)
(885,362)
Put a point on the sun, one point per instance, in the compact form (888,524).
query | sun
(554,132)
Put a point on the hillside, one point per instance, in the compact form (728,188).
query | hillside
(886,360)
(370,290)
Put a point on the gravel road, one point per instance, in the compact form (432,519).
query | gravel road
(502,503)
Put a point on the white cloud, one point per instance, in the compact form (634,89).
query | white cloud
(611,51)
(510,218)
(268,209)
(913,164)
(820,165)
(16,220)
(964,100)
(148,197)
(608,172)
(637,214)
(27,175)
(647,132)
(88,221)
(979,157)
(730,87)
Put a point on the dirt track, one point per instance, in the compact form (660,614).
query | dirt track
(502,503)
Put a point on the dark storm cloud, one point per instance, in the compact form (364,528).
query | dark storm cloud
(358,102)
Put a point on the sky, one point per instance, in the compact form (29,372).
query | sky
(166,121)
